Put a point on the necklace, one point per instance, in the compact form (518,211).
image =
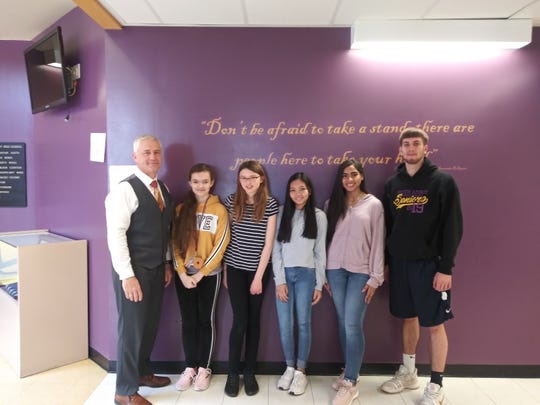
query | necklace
(355,199)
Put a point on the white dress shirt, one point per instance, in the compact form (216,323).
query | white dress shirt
(120,204)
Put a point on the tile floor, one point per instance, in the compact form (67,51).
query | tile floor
(86,383)
(68,385)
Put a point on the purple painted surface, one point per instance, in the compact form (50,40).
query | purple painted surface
(15,126)
(169,81)
(70,188)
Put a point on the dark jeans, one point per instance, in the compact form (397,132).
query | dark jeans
(197,307)
(246,318)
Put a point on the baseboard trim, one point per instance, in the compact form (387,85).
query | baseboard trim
(101,360)
(452,370)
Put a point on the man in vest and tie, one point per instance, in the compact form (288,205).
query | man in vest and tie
(139,213)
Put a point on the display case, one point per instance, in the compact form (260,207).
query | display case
(44,324)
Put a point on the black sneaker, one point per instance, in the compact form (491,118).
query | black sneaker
(250,384)
(232,386)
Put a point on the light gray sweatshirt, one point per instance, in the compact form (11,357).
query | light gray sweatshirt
(301,252)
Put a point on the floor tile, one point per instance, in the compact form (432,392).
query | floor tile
(504,391)
(86,383)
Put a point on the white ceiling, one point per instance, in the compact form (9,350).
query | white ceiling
(25,19)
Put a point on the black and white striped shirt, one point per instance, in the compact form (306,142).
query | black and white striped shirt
(247,236)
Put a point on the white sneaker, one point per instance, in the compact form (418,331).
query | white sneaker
(202,380)
(284,382)
(186,379)
(346,394)
(401,380)
(299,383)
(433,395)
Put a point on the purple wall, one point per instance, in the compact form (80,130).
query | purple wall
(16,126)
(170,81)
(70,188)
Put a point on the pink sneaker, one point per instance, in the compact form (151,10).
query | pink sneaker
(202,381)
(337,382)
(346,394)
(186,379)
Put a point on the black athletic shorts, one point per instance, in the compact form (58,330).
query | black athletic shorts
(412,293)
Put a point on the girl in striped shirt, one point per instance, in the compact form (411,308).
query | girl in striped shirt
(253,217)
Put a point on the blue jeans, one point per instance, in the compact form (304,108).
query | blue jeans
(351,307)
(301,285)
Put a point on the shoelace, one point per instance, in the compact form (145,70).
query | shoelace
(286,377)
(189,374)
(343,390)
(296,383)
(431,394)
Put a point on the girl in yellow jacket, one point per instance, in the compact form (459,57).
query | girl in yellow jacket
(200,236)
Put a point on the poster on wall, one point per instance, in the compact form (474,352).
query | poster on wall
(13,174)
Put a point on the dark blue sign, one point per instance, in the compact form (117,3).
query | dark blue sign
(12,174)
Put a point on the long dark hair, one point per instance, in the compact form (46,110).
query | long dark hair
(337,205)
(185,223)
(240,197)
(310,220)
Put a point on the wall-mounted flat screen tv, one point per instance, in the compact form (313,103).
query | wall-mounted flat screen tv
(47,75)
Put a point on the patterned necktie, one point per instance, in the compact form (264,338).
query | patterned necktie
(157,195)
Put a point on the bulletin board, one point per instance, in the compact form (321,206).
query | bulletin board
(13,174)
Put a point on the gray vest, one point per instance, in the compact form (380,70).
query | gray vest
(149,230)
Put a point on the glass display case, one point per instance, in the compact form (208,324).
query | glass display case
(43,300)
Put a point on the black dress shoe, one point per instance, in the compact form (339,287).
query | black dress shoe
(250,384)
(232,386)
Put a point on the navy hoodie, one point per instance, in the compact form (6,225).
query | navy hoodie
(423,216)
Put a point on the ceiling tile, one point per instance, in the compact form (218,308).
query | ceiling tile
(350,10)
(290,12)
(131,12)
(17,23)
(532,11)
(480,9)
(200,12)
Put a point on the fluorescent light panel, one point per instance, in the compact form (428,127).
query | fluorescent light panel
(458,34)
